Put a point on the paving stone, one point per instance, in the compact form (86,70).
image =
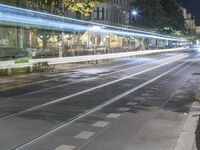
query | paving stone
(100,124)
(65,147)
(84,135)
(124,109)
(113,115)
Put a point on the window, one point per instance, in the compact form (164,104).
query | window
(78,15)
(95,13)
(99,13)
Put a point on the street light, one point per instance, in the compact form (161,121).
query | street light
(134,13)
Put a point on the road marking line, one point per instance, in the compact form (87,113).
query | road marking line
(65,147)
(113,115)
(47,80)
(92,89)
(124,109)
(100,124)
(139,66)
(61,85)
(99,107)
(84,135)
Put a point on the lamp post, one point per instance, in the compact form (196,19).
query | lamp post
(134,13)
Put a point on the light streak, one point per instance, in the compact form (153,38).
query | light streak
(10,15)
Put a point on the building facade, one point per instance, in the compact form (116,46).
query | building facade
(190,24)
(66,37)
(114,12)
(198,29)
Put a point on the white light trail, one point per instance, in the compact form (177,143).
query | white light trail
(23,17)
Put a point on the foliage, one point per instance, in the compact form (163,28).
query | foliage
(43,35)
(10,35)
(58,7)
(13,53)
(151,14)
(164,16)
(22,60)
(174,14)
(85,7)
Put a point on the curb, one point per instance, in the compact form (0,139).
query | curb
(186,139)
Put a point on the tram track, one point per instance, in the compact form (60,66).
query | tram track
(96,87)
(98,107)
(59,85)
(29,115)
(91,78)
(69,72)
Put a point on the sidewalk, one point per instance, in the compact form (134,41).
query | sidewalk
(186,140)
(189,138)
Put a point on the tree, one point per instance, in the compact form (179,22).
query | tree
(151,14)
(58,7)
(174,14)
(164,16)
(85,7)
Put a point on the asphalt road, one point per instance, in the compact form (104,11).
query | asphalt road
(125,104)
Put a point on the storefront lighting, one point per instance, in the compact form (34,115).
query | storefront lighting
(23,17)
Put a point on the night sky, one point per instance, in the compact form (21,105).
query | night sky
(194,7)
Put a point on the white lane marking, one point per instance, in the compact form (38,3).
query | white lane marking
(91,89)
(99,107)
(62,85)
(65,147)
(165,59)
(100,124)
(60,74)
(113,115)
(43,81)
(54,87)
(162,57)
(124,109)
(84,135)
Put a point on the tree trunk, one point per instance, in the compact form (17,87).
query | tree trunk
(44,40)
